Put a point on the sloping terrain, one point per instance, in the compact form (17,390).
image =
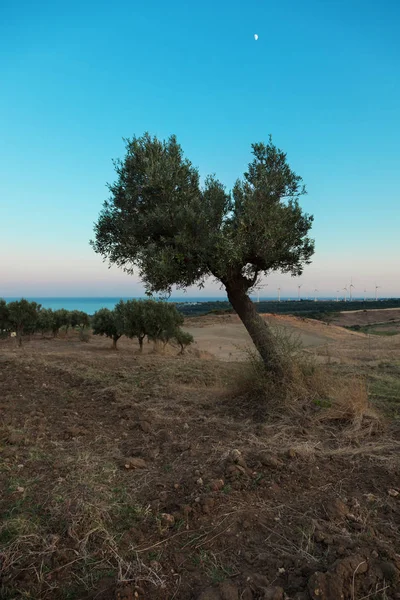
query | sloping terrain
(367,317)
(226,338)
(157,477)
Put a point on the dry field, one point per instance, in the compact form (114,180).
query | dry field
(367,317)
(127,476)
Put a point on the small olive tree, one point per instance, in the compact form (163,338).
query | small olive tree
(131,315)
(159,220)
(163,320)
(23,317)
(108,322)
(183,339)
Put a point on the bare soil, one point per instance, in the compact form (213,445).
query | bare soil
(128,476)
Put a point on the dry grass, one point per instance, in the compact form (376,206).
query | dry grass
(72,516)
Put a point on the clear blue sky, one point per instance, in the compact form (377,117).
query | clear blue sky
(75,77)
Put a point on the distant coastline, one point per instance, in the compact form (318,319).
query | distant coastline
(91,304)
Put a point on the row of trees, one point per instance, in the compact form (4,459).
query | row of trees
(26,318)
(158,321)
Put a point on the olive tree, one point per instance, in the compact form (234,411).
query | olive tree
(162,321)
(4,316)
(45,321)
(80,319)
(60,319)
(23,317)
(107,322)
(131,315)
(183,338)
(175,232)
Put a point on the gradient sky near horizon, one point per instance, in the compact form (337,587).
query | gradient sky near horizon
(75,78)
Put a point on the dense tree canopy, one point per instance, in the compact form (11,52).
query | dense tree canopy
(45,321)
(162,320)
(60,319)
(4,314)
(160,220)
(132,315)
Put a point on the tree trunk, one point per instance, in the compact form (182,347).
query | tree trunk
(140,344)
(256,327)
(115,340)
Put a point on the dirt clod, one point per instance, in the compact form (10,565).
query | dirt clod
(247,594)
(325,586)
(334,584)
(273,593)
(336,510)
(135,463)
(228,591)
(270,460)
(209,594)
(145,426)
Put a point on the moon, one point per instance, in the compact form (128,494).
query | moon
(255,36)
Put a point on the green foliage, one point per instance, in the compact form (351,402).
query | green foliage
(107,322)
(78,318)
(60,319)
(183,338)
(45,321)
(177,233)
(159,219)
(131,317)
(140,318)
(4,315)
(162,320)
(23,317)
(308,308)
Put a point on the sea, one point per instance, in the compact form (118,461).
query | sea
(91,305)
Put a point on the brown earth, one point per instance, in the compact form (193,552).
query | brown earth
(225,337)
(367,317)
(154,477)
